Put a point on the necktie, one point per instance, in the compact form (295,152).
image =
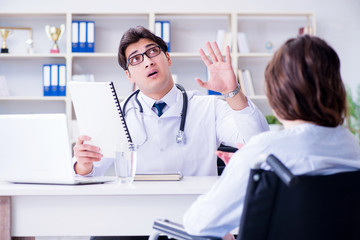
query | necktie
(159,107)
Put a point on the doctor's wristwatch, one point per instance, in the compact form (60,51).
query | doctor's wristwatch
(233,93)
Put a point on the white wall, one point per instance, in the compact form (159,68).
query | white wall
(337,21)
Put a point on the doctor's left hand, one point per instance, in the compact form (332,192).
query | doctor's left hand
(222,77)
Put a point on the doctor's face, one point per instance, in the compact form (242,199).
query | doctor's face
(149,68)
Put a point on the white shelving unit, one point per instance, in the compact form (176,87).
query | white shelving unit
(189,32)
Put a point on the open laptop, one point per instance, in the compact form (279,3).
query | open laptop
(35,148)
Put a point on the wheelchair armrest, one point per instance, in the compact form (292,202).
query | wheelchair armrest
(177,231)
(281,170)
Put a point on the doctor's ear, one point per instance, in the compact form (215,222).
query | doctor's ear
(168,58)
(128,74)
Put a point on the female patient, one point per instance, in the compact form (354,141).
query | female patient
(306,92)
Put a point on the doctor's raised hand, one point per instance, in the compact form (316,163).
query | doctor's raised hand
(85,155)
(222,77)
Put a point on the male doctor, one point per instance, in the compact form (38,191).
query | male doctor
(209,121)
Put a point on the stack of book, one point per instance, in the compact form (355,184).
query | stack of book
(243,43)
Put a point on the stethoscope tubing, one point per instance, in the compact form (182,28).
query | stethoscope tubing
(181,138)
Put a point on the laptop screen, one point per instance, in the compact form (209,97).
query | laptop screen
(35,148)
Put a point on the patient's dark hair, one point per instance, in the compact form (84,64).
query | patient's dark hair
(133,35)
(303,82)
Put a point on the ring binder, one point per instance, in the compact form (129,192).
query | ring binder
(117,103)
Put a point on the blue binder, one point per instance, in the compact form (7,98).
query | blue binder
(90,36)
(54,80)
(166,33)
(75,37)
(82,36)
(46,79)
(62,80)
(158,28)
(162,29)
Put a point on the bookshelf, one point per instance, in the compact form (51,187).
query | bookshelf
(189,32)
(262,28)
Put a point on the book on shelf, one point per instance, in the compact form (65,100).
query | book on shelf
(82,37)
(223,39)
(166,33)
(46,79)
(99,115)
(90,36)
(75,36)
(62,80)
(158,28)
(159,177)
(163,30)
(249,82)
(4,90)
(246,83)
(54,80)
(243,43)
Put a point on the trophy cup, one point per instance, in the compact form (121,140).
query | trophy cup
(4,34)
(54,34)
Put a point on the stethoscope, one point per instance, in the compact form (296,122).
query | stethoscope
(180,137)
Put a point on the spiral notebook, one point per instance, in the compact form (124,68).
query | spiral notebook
(99,116)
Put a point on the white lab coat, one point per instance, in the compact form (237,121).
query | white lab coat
(209,122)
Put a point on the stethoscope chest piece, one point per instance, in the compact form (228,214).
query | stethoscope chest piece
(180,137)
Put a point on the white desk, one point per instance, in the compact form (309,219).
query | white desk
(104,209)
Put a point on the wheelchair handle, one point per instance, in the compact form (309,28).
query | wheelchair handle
(281,170)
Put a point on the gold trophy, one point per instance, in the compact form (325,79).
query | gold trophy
(54,34)
(4,34)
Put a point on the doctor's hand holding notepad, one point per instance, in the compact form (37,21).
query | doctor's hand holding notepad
(86,155)
(99,115)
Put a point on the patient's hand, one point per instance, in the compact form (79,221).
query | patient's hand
(228,236)
(226,156)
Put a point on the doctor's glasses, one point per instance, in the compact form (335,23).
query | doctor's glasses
(139,58)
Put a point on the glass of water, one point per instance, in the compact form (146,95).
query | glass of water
(125,165)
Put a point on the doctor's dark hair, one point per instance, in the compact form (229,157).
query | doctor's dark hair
(303,82)
(133,35)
